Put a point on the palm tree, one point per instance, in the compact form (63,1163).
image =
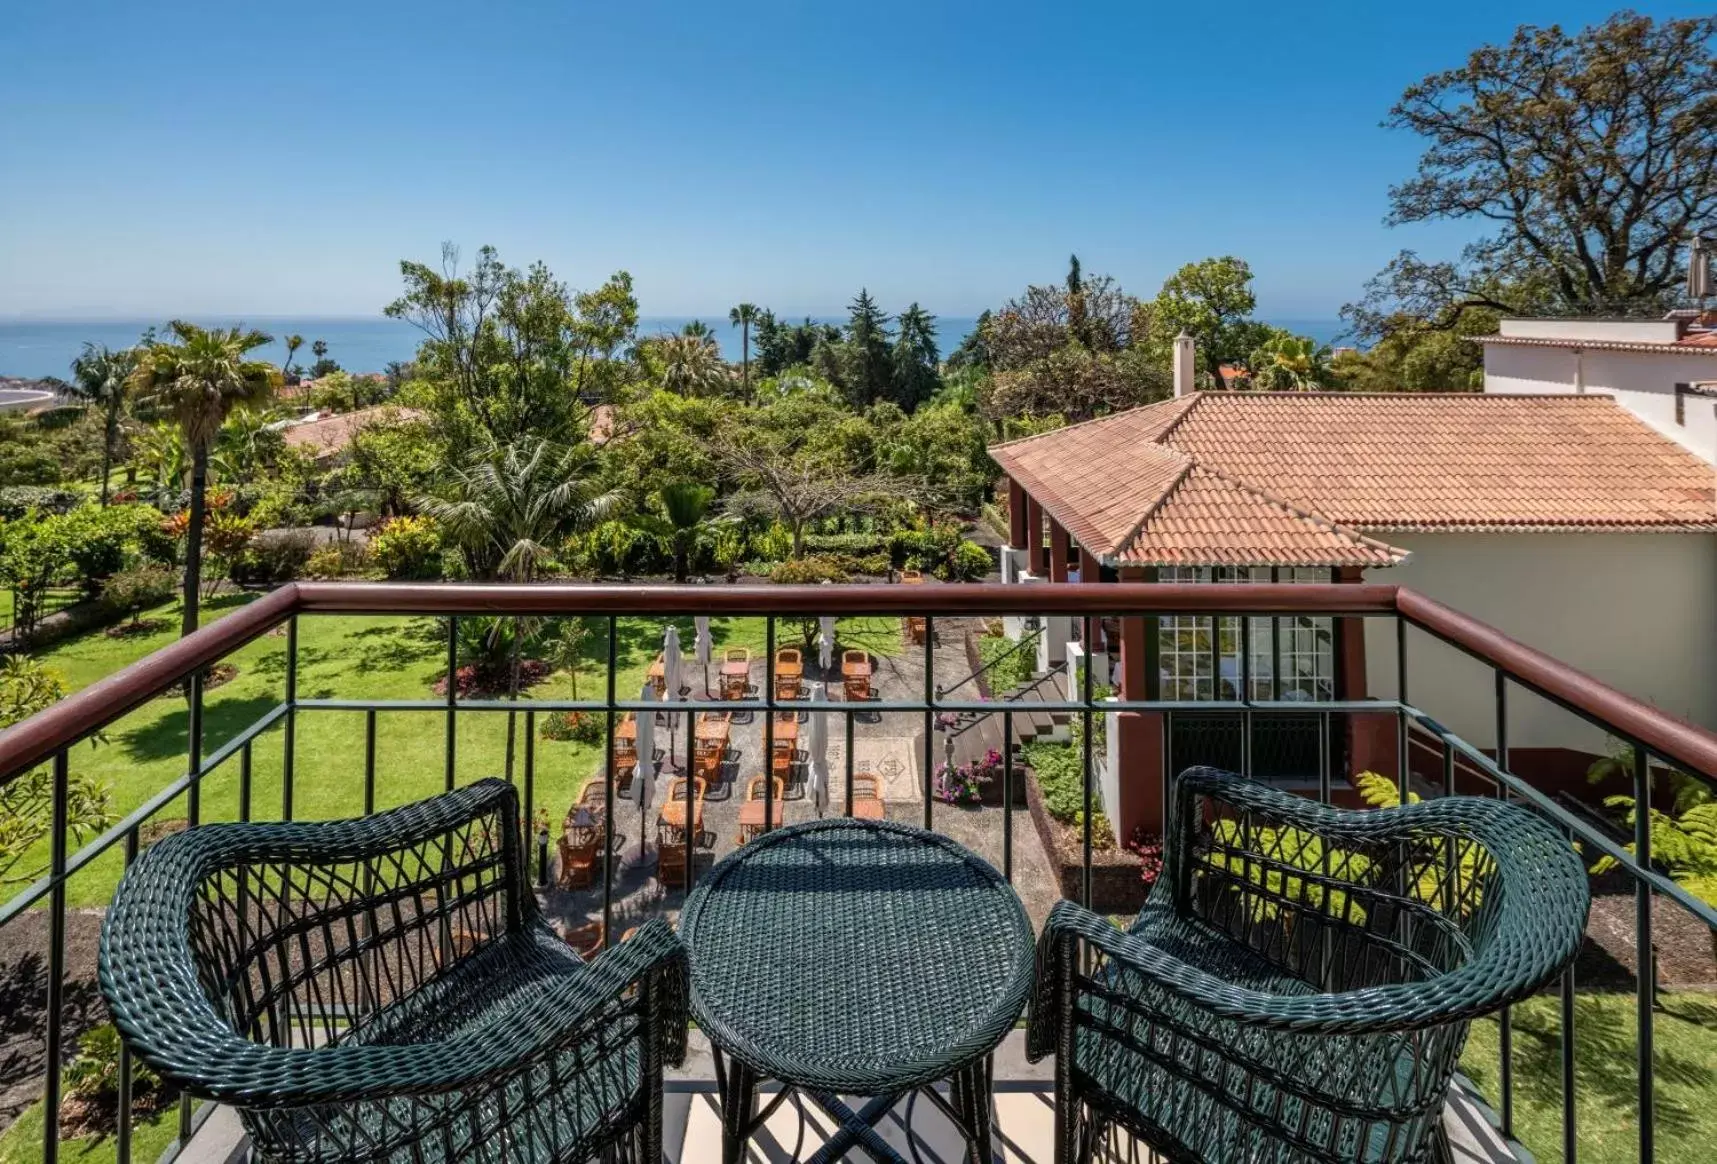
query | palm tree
(1289,362)
(743,317)
(509,505)
(319,349)
(198,378)
(691,364)
(686,507)
(293,343)
(98,378)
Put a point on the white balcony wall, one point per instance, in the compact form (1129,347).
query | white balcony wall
(1641,382)
(1635,611)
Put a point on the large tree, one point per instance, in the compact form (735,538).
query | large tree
(1212,301)
(917,363)
(510,353)
(99,378)
(866,367)
(742,317)
(198,378)
(1591,157)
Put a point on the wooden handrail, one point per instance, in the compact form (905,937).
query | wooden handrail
(1072,599)
(26,744)
(39,737)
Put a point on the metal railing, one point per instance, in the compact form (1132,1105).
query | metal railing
(50,736)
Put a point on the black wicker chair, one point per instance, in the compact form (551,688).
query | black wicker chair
(1300,983)
(386,989)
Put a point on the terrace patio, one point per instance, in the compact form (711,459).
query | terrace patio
(890,733)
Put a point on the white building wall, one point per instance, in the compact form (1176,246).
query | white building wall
(1637,611)
(1642,382)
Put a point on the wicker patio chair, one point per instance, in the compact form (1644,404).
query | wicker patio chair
(1299,985)
(867,797)
(307,975)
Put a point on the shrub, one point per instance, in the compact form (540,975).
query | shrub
(225,541)
(337,560)
(94,1073)
(876,565)
(17,500)
(1059,769)
(279,507)
(925,549)
(579,726)
(1004,671)
(275,556)
(407,548)
(608,548)
(970,562)
(1148,848)
(98,541)
(129,591)
(800,571)
(727,550)
(772,544)
(856,544)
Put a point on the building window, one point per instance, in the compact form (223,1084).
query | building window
(1287,657)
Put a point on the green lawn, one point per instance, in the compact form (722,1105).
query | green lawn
(21,1143)
(1606,1100)
(354,657)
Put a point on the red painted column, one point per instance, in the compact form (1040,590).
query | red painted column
(1017,506)
(1372,745)
(1089,569)
(1140,732)
(1058,548)
(1034,536)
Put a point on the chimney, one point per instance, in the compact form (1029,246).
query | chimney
(1183,364)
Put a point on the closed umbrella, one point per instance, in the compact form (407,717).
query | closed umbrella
(818,753)
(826,643)
(646,770)
(672,662)
(703,649)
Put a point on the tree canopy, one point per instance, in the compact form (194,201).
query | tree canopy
(1589,156)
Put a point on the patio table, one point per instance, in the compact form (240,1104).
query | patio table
(626,728)
(848,957)
(855,665)
(712,731)
(786,731)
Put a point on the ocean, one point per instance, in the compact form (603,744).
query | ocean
(35,348)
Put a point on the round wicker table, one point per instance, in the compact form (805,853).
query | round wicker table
(858,958)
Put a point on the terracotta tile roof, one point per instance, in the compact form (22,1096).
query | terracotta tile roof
(332,433)
(1207,519)
(1291,478)
(1700,343)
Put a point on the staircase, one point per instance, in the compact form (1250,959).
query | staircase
(975,733)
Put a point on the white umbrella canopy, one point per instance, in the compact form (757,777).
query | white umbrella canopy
(826,642)
(646,744)
(703,640)
(818,753)
(673,662)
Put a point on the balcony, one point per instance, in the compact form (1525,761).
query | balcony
(338,733)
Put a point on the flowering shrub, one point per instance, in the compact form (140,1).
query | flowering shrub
(579,726)
(964,783)
(1148,848)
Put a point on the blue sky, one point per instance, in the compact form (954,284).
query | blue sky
(265,158)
